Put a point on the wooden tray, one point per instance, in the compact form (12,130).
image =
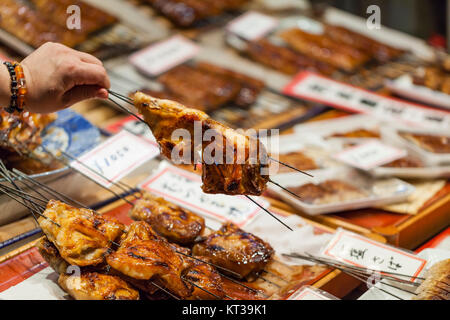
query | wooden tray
(22,263)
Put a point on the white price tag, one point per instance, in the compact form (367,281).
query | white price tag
(369,155)
(314,87)
(363,252)
(308,293)
(252,25)
(183,188)
(116,157)
(164,55)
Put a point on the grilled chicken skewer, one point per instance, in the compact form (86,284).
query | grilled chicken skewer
(87,284)
(167,219)
(436,285)
(231,164)
(82,237)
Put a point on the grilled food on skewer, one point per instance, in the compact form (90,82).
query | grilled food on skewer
(436,286)
(223,176)
(167,219)
(85,284)
(235,250)
(97,286)
(206,277)
(143,255)
(82,237)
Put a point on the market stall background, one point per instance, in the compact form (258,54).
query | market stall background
(138,28)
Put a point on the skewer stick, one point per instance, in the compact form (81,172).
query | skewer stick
(243,285)
(165,290)
(285,189)
(291,167)
(211,264)
(88,177)
(203,289)
(267,211)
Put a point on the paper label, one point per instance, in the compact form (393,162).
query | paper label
(311,86)
(308,293)
(183,188)
(116,157)
(370,155)
(252,25)
(164,55)
(363,252)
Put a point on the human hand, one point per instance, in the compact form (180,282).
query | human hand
(58,77)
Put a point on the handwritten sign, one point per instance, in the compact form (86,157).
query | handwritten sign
(183,188)
(363,252)
(369,155)
(252,25)
(116,157)
(318,88)
(164,55)
(310,293)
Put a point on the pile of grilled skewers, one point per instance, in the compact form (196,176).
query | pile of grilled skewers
(167,250)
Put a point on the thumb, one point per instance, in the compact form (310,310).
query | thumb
(80,93)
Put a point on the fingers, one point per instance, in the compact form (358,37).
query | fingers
(83,92)
(79,74)
(85,57)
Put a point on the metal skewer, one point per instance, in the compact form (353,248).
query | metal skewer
(270,213)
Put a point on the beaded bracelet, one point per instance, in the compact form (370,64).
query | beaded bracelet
(16,87)
(20,75)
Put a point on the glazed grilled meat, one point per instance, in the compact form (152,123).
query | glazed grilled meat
(21,133)
(93,19)
(82,237)
(428,142)
(436,285)
(284,59)
(167,219)
(143,255)
(33,27)
(198,88)
(240,168)
(235,250)
(206,277)
(97,286)
(380,51)
(87,284)
(186,13)
(324,49)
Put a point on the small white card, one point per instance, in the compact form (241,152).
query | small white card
(363,252)
(309,293)
(252,25)
(183,188)
(116,157)
(164,55)
(370,155)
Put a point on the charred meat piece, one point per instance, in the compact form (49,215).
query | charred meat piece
(428,142)
(96,286)
(240,161)
(34,28)
(380,51)
(297,160)
(93,19)
(358,133)
(51,254)
(235,250)
(329,191)
(198,88)
(143,255)
(186,13)
(22,132)
(206,277)
(324,49)
(436,285)
(284,59)
(82,237)
(250,88)
(167,219)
